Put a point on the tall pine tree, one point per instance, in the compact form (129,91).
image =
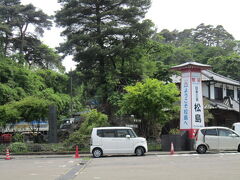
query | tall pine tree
(101,35)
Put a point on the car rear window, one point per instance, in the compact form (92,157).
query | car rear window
(211,132)
(99,133)
(106,133)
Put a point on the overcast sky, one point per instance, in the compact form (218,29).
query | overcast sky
(166,14)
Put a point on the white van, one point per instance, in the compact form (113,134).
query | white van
(116,140)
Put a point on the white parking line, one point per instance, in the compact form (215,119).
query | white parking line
(198,155)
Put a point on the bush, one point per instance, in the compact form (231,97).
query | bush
(93,119)
(174,131)
(3,147)
(56,147)
(18,147)
(36,147)
(17,137)
(77,138)
(81,137)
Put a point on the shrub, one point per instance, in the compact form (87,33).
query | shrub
(36,147)
(81,137)
(18,147)
(78,139)
(17,137)
(56,147)
(3,147)
(174,131)
(93,119)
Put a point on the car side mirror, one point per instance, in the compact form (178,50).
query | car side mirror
(127,136)
(233,135)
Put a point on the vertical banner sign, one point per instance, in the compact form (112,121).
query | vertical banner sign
(185,117)
(197,102)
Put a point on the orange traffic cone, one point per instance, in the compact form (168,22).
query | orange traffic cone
(76,153)
(172,149)
(7,155)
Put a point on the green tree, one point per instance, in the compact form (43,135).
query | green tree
(32,108)
(54,80)
(228,66)
(198,44)
(16,20)
(92,119)
(8,11)
(20,85)
(16,81)
(211,36)
(28,109)
(60,100)
(40,55)
(101,36)
(151,101)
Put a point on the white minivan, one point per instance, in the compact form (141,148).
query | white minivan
(116,140)
(216,138)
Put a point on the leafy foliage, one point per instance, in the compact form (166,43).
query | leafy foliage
(91,120)
(102,36)
(151,101)
(26,94)
(18,147)
(17,137)
(226,65)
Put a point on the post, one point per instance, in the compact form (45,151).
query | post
(191,114)
(52,120)
(71,94)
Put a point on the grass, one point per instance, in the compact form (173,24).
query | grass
(154,146)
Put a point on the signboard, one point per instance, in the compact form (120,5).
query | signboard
(185,119)
(191,101)
(197,102)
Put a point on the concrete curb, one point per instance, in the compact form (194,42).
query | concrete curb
(82,155)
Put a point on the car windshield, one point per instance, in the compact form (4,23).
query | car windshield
(132,133)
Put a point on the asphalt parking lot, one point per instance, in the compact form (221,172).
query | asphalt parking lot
(219,166)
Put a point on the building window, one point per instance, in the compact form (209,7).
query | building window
(218,93)
(230,93)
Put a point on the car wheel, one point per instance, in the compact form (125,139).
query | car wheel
(201,149)
(97,153)
(139,151)
(238,148)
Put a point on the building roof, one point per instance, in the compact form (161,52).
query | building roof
(191,65)
(228,104)
(208,75)
(212,76)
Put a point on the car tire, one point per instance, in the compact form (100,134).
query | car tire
(139,151)
(201,149)
(97,153)
(238,148)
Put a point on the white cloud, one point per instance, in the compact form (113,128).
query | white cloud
(183,14)
(166,14)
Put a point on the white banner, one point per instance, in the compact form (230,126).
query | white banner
(197,101)
(185,117)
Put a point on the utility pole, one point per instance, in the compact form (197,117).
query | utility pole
(71,93)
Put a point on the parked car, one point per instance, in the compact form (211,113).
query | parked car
(116,140)
(216,138)
(236,127)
